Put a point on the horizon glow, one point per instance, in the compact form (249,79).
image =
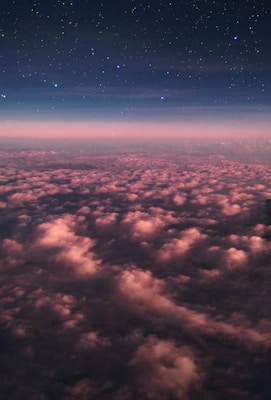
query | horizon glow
(202,128)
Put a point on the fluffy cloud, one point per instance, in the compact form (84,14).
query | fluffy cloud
(12,251)
(106,221)
(165,370)
(178,247)
(92,339)
(144,226)
(11,246)
(235,258)
(73,251)
(146,294)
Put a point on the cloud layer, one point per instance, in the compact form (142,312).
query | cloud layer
(134,273)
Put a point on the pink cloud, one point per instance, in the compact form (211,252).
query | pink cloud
(58,232)
(178,247)
(254,244)
(22,197)
(146,295)
(84,210)
(84,389)
(179,200)
(93,339)
(5,189)
(235,258)
(13,252)
(12,247)
(229,209)
(132,197)
(62,305)
(165,370)
(210,274)
(106,221)
(78,258)
(144,226)
(72,250)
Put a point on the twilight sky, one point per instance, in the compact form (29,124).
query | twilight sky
(194,63)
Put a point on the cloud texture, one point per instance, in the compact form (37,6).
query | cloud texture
(134,274)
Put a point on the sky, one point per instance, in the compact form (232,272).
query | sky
(135,269)
(182,64)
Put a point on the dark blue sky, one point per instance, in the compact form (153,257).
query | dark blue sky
(134,60)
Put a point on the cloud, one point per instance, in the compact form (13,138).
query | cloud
(11,246)
(106,221)
(62,305)
(179,200)
(132,197)
(3,204)
(253,243)
(22,197)
(58,232)
(144,226)
(92,339)
(165,370)
(140,272)
(146,295)
(71,250)
(235,258)
(12,251)
(178,247)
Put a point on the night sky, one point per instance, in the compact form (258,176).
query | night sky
(123,61)
(135,200)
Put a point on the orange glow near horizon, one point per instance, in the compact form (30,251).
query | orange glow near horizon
(132,130)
